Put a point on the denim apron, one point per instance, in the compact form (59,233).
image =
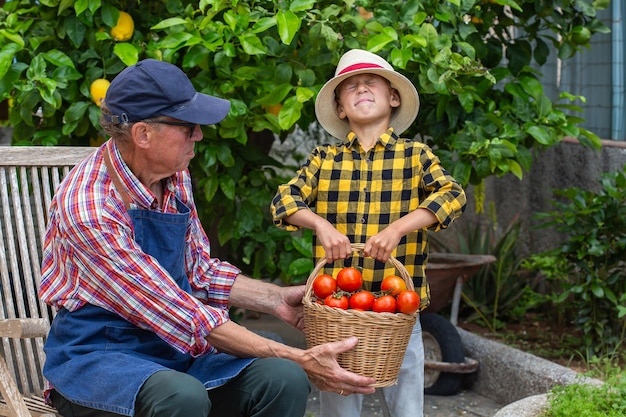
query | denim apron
(97,359)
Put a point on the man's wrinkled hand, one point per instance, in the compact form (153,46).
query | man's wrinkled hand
(321,365)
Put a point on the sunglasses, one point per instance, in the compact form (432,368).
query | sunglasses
(191,126)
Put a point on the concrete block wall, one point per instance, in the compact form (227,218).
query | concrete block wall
(568,164)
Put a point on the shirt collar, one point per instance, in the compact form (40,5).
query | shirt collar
(387,139)
(140,194)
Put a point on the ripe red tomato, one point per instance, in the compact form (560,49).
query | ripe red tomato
(408,302)
(362,300)
(349,279)
(324,285)
(337,301)
(393,285)
(385,304)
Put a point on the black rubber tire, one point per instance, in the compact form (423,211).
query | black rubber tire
(442,343)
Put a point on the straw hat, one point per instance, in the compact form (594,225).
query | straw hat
(358,61)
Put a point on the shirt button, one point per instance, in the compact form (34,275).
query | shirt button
(362,219)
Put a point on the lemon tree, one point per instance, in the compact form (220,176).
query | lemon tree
(482,106)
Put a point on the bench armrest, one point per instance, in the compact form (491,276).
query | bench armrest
(24,328)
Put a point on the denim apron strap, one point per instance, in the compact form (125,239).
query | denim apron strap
(99,360)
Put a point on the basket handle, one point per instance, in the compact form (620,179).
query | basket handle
(358,247)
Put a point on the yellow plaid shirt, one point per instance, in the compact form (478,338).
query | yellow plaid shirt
(360,193)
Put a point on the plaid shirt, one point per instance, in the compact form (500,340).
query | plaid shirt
(90,256)
(360,193)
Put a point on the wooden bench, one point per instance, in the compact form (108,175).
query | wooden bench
(28,178)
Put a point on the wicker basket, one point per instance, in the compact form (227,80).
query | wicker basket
(383,337)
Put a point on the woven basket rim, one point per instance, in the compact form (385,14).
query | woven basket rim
(356,247)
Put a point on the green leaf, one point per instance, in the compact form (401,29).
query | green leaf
(532,86)
(544,107)
(601,4)
(590,139)
(59,58)
(178,39)
(64,5)
(168,23)
(7,53)
(303,245)
(252,45)
(290,113)
(288,25)
(46,87)
(224,155)
(76,111)
(300,266)
(109,15)
(80,6)
(541,52)
(304,94)
(566,50)
(301,5)
(227,185)
(264,24)
(466,98)
(597,290)
(515,168)
(75,29)
(540,134)
(519,55)
(277,95)
(13,37)
(126,52)
(378,42)
(209,186)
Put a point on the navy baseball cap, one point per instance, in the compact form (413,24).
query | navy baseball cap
(154,88)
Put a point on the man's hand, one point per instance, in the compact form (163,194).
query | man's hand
(290,308)
(320,363)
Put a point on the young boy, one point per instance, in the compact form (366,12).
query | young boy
(373,188)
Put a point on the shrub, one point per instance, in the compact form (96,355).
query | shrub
(589,268)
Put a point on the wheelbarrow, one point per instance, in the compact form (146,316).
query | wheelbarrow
(444,354)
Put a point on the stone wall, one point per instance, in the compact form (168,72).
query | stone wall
(566,165)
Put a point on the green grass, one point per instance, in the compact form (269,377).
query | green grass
(584,400)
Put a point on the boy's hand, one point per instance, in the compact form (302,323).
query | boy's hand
(336,245)
(381,245)
(384,242)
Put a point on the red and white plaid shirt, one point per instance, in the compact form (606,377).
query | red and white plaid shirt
(90,256)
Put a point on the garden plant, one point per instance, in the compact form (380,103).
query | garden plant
(476,63)
(587,272)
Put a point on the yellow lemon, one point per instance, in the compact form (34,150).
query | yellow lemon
(123,31)
(98,90)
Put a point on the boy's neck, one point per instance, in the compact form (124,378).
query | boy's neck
(368,136)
